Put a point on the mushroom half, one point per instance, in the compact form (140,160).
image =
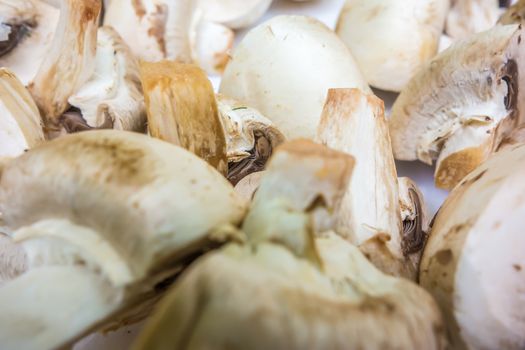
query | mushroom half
(381,215)
(460,105)
(474,262)
(27,28)
(286,288)
(391,39)
(285,66)
(127,214)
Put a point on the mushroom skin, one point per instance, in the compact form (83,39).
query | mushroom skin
(474,263)
(182,110)
(271,70)
(70,61)
(20,125)
(30,27)
(235,14)
(391,39)
(286,288)
(515,14)
(112,98)
(467,17)
(250,138)
(460,105)
(371,214)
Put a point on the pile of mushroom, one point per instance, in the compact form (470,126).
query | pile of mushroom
(268,214)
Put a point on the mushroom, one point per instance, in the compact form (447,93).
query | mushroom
(514,14)
(235,14)
(20,124)
(391,39)
(250,138)
(127,214)
(181,109)
(70,61)
(287,289)
(173,30)
(374,214)
(460,105)
(284,68)
(112,98)
(474,262)
(28,27)
(467,17)
(248,185)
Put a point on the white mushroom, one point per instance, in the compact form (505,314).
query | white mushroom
(391,39)
(248,185)
(112,98)
(30,27)
(70,61)
(474,261)
(20,124)
(174,30)
(284,68)
(461,104)
(235,14)
(250,137)
(387,228)
(286,289)
(127,212)
(181,109)
(467,17)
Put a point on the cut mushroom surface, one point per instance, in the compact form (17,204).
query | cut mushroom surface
(391,39)
(112,98)
(285,288)
(182,110)
(474,261)
(285,66)
(460,105)
(250,137)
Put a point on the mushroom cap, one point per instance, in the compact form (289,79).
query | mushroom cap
(284,68)
(390,40)
(459,105)
(474,262)
(32,25)
(467,17)
(149,199)
(235,14)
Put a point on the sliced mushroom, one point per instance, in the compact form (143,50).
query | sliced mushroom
(182,110)
(467,17)
(286,289)
(250,137)
(29,26)
(370,215)
(474,262)
(174,30)
(127,213)
(391,39)
(112,98)
(20,124)
(459,106)
(70,61)
(514,14)
(284,68)
(235,14)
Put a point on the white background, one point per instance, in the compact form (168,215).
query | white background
(327,11)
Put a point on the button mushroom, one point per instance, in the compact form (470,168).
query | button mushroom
(391,39)
(173,30)
(286,289)
(182,110)
(112,98)
(29,28)
(474,262)
(370,215)
(467,17)
(20,124)
(250,138)
(284,68)
(460,105)
(105,218)
(234,14)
